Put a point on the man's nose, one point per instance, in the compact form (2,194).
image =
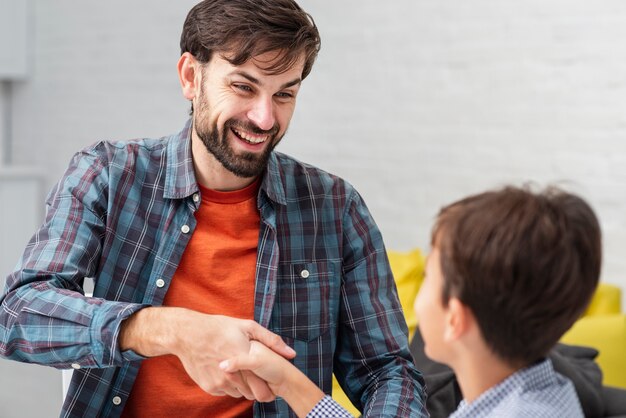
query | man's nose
(262,113)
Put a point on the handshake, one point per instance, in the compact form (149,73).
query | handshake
(225,356)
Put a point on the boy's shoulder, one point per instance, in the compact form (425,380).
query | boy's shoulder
(533,392)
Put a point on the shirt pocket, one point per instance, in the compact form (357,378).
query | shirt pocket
(307,298)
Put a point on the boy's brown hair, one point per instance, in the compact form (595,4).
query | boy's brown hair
(242,29)
(525,263)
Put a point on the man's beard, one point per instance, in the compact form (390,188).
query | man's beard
(244,164)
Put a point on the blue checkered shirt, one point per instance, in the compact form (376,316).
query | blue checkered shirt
(534,392)
(123,214)
(328,408)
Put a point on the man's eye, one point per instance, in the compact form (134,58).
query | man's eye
(243,87)
(284,95)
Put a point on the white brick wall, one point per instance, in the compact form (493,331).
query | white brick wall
(417,103)
(441,99)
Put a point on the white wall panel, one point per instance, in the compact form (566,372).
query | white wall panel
(14,50)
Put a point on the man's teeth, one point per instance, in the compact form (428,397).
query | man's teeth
(249,138)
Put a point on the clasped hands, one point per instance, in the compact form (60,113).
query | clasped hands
(223,355)
(244,359)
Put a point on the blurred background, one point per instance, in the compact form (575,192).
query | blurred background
(415,102)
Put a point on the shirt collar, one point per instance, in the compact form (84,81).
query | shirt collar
(534,377)
(180,177)
(274,180)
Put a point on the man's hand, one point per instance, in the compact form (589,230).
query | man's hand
(201,342)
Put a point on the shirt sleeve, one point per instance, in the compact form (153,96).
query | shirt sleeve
(45,317)
(373,363)
(326,408)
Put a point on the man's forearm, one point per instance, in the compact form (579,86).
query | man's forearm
(151,332)
(61,329)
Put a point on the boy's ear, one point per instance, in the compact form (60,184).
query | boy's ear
(189,72)
(459,320)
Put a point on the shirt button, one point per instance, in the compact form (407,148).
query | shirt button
(117,400)
(160,282)
(304,274)
(185,229)
(196,197)
(75,366)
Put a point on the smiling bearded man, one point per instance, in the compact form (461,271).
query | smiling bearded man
(205,241)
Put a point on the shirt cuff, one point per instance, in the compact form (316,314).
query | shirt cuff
(327,407)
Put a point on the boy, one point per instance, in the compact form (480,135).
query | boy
(509,272)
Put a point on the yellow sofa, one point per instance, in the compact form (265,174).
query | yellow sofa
(603,326)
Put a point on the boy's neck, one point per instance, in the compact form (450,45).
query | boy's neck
(479,371)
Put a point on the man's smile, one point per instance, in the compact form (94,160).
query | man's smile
(250,137)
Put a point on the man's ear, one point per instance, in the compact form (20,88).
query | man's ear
(459,320)
(189,72)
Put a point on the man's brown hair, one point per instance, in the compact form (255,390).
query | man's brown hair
(525,263)
(242,29)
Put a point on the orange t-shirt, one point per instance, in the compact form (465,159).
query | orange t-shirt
(216,275)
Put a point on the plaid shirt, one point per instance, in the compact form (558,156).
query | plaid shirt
(534,392)
(123,214)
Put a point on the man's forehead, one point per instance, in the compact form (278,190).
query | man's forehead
(271,62)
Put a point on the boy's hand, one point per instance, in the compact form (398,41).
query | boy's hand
(282,377)
(264,363)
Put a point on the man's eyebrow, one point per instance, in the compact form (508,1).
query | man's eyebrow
(258,82)
(247,77)
(291,83)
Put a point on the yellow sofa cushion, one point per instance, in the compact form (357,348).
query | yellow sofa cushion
(607,334)
(606,300)
(408,273)
(603,327)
